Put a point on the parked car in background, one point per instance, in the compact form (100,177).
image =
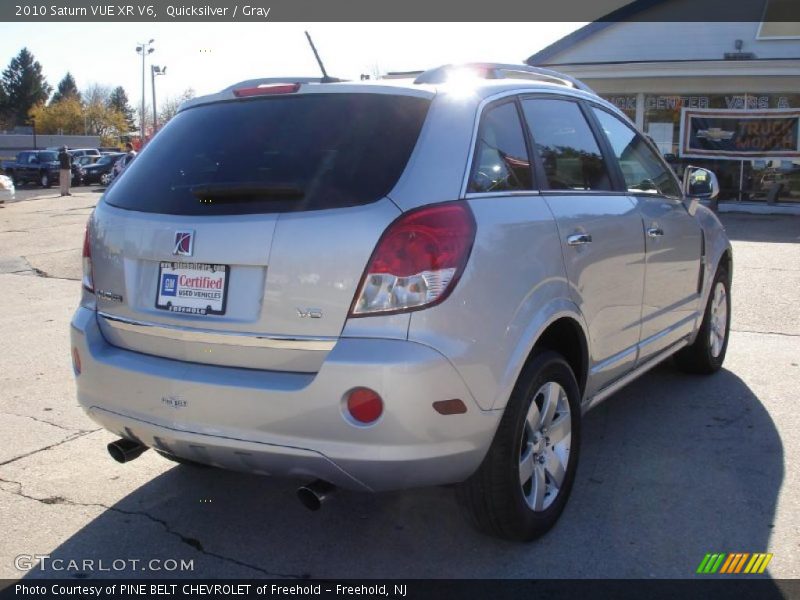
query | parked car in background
(85,160)
(7,190)
(100,171)
(381,287)
(119,166)
(78,152)
(35,166)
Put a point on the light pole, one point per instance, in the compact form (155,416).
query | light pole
(154,70)
(143,48)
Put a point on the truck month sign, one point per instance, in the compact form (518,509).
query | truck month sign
(739,134)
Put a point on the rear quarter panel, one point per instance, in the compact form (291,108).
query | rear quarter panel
(513,285)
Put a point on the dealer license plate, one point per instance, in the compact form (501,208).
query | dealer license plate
(193,288)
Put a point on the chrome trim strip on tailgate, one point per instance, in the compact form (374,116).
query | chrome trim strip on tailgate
(206,336)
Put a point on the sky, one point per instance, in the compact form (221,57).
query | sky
(210,56)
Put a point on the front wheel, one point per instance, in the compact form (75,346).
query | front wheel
(105,179)
(707,353)
(522,486)
(45,180)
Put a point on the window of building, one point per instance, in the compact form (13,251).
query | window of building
(566,146)
(501,157)
(642,169)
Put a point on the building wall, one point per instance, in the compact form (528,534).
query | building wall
(648,41)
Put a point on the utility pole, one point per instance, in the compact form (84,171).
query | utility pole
(143,48)
(154,70)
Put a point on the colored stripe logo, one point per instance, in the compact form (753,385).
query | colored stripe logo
(731,564)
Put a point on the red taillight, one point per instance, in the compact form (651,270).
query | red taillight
(267,90)
(88,279)
(417,261)
(364,405)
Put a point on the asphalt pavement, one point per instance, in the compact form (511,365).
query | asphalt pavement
(672,467)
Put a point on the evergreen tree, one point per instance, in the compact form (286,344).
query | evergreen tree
(119,101)
(66,89)
(24,87)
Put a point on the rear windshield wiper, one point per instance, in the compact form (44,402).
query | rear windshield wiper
(245,191)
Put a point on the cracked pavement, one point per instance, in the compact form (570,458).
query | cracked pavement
(671,468)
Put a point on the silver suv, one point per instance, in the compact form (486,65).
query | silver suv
(384,285)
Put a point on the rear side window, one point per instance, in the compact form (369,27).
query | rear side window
(501,158)
(642,169)
(566,145)
(274,154)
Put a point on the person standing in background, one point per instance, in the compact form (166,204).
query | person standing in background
(65,176)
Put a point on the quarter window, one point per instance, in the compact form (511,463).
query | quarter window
(501,157)
(567,148)
(642,169)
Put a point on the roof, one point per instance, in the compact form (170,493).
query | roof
(624,13)
(495,78)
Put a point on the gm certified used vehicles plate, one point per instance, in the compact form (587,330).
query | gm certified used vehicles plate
(383,285)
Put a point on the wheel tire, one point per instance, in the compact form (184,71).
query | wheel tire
(706,355)
(182,461)
(45,181)
(494,497)
(105,179)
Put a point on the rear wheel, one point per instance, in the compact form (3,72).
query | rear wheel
(105,178)
(45,180)
(707,353)
(523,484)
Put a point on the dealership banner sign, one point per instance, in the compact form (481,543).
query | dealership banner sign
(739,134)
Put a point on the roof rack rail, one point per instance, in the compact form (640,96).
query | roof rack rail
(504,71)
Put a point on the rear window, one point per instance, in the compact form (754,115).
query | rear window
(274,154)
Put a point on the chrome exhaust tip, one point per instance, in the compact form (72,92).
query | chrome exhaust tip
(124,450)
(315,493)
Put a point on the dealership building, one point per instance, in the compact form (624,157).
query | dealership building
(721,95)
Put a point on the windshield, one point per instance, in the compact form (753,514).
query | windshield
(48,157)
(274,154)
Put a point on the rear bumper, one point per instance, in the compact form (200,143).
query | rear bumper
(291,424)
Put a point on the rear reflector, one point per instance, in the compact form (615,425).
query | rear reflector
(450,407)
(88,279)
(417,261)
(267,90)
(76,361)
(364,405)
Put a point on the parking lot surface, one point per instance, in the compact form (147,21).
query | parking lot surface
(672,467)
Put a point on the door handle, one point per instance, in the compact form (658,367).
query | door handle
(578,239)
(655,232)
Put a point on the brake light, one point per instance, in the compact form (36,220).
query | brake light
(88,279)
(417,261)
(267,90)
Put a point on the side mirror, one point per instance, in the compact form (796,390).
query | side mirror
(699,183)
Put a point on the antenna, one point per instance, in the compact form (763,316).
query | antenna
(325,77)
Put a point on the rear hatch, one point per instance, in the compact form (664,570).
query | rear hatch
(239,235)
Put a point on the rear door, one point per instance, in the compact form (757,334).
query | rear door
(600,230)
(672,238)
(238,236)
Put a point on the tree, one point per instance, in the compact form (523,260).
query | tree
(107,122)
(118,100)
(65,117)
(70,117)
(66,89)
(24,86)
(170,106)
(96,93)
